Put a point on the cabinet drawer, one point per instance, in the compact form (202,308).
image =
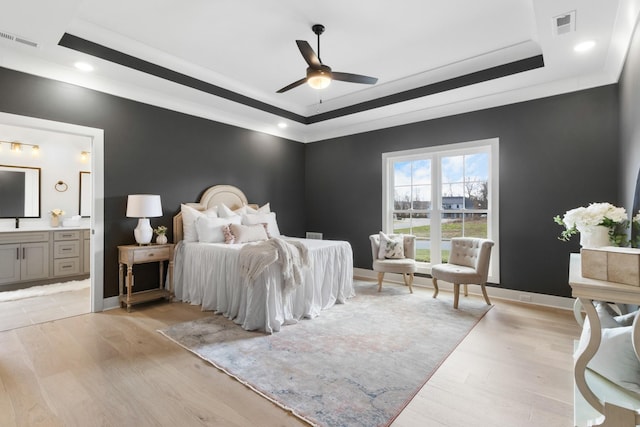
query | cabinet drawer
(66,267)
(24,237)
(150,254)
(66,235)
(66,249)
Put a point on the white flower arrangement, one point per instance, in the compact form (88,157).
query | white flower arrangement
(57,212)
(581,219)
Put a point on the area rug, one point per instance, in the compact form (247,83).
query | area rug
(357,364)
(38,291)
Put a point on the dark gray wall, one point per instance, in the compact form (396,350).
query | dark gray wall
(153,150)
(630,122)
(556,153)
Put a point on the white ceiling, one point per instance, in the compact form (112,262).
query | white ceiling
(248,47)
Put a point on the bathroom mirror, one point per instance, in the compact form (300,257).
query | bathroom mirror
(19,192)
(85,194)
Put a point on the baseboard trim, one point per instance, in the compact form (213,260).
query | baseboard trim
(507,294)
(494,292)
(110,303)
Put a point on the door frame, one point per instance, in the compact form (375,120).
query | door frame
(97,182)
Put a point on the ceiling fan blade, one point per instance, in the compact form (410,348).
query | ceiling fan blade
(354,78)
(308,54)
(292,85)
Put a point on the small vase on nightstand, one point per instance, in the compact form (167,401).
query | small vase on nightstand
(55,221)
(161,239)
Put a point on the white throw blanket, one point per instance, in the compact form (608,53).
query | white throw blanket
(292,256)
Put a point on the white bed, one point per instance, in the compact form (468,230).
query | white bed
(208,274)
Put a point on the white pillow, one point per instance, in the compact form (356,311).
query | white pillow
(267,218)
(391,246)
(225,211)
(626,319)
(210,229)
(266,208)
(248,233)
(189,216)
(606,315)
(615,359)
(248,210)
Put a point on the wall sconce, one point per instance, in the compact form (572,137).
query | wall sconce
(16,147)
(84,155)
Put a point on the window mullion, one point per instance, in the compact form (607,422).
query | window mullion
(436,210)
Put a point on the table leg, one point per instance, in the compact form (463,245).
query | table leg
(129,285)
(170,274)
(120,283)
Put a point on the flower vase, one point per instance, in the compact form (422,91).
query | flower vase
(55,221)
(595,237)
(161,239)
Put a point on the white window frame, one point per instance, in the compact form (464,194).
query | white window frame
(436,152)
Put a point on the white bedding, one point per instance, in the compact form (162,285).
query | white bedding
(207,274)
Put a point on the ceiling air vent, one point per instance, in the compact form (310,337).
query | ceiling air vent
(564,24)
(17,39)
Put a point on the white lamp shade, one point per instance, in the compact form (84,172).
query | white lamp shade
(144,206)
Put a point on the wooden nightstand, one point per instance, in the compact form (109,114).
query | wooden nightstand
(130,255)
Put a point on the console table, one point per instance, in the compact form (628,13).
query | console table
(618,407)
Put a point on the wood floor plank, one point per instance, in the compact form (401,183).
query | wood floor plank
(114,368)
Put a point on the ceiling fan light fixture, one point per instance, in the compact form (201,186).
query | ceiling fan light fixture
(319,79)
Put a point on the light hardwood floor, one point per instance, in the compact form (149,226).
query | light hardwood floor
(45,308)
(113,369)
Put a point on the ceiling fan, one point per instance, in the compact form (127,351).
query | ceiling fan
(319,76)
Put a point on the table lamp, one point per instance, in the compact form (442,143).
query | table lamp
(143,206)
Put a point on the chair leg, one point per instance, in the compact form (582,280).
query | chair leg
(410,283)
(466,290)
(484,293)
(435,287)
(380,277)
(456,294)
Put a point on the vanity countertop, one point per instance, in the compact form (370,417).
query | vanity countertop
(41,228)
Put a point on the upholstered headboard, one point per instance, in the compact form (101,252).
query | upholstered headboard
(231,196)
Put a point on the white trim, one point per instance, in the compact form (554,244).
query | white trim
(111,303)
(494,292)
(97,208)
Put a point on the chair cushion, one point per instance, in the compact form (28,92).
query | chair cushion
(404,265)
(455,274)
(391,246)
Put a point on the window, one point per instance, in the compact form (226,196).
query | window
(441,192)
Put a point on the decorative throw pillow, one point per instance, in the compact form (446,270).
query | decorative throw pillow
(606,315)
(189,217)
(626,319)
(210,229)
(248,233)
(229,238)
(267,218)
(391,247)
(615,359)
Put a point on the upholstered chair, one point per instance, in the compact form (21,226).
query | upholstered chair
(406,265)
(468,265)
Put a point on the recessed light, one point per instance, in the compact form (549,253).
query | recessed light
(282,125)
(83,66)
(584,46)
